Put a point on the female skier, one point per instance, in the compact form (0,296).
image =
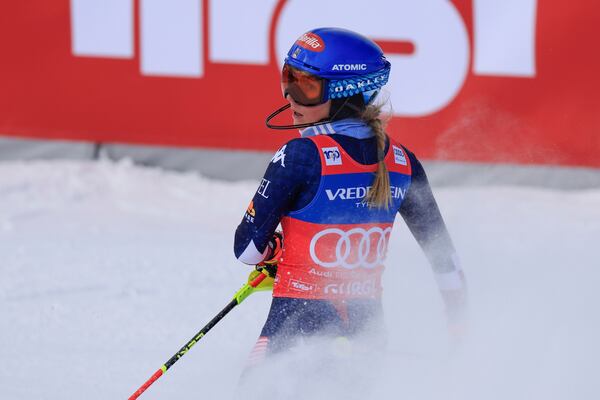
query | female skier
(336,191)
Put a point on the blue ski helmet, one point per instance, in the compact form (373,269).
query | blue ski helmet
(344,62)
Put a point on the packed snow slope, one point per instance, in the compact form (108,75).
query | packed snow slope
(107,269)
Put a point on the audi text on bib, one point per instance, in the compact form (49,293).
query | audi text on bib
(335,247)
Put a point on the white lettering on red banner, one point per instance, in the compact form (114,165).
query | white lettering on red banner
(422,83)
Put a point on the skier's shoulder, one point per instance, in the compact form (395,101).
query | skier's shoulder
(418,174)
(394,145)
(297,151)
(411,155)
(391,141)
(302,144)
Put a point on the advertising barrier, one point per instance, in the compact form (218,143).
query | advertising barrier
(513,81)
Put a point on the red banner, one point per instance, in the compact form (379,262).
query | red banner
(478,80)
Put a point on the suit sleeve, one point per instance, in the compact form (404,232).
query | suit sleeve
(424,219)
(288,175)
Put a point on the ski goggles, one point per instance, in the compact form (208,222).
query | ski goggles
(306,89)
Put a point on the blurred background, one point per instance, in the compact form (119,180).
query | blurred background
(187,84)
(132,138)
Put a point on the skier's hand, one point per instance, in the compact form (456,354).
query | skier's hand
(269,264)
(275,246)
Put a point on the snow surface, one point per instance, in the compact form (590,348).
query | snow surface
(107,269)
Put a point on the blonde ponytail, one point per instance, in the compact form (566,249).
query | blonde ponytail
(379,196)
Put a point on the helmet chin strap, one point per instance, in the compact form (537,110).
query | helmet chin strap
(299,126)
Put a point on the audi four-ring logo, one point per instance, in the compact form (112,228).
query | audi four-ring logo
(347,255)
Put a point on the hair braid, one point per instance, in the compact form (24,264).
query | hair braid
(379,196)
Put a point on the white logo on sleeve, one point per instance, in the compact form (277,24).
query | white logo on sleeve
(399,157)
(332,155)
(262,188)
(279,156)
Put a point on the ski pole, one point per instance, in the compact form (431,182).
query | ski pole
(240,296)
